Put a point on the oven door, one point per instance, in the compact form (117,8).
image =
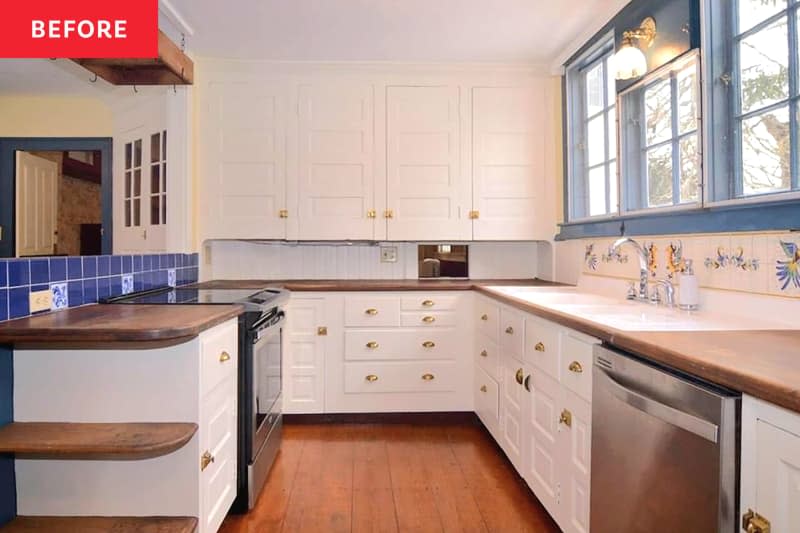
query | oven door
(266,383)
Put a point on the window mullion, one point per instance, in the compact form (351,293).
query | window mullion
(676,167)
(793,89)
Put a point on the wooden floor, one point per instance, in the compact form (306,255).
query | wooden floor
(393,477)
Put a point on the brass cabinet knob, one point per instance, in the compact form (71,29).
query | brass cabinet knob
(372,345)
(388,213)
(565,418)
(752,522)
(575,367)
(283,213)
(224,356)
(322,331)
(371,213)
(520,376)
(474,215)
(428,344)
(484,317)
(429,319)
(510,330)
(371,311)
(483,388)
(539,347)
(484,353)
(427,377)
(371,378)
(428,303)
(205,460)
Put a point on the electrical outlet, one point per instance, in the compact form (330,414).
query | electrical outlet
(41,301)
(388,254)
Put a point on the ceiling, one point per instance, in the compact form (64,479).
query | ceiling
(503,31)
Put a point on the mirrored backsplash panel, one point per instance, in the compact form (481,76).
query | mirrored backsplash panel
(79,280)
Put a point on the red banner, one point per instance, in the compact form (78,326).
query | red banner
(79,29)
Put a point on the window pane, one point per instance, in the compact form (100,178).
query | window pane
(594,90)
(687,99)
(659,176)
(127,213)
(155,147)
(658,112)
(155,209)
(690,170)
(751,12)
(137,182)
(597,191)
(765,152)
(612,133)
(163,177)
(128,152)
(137,153)
(155,179)
(137,212)
(612,186)
(612,82)
(595,138)
(763,68)
(163,209)
(127,185)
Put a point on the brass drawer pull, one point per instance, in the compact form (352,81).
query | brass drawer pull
(429,319)
(484,353)
(484,317)
(427,303)
(371,311)
(565,418)
(428,344)
(752,522)
(427,377)
(520,375)
(224,356)
(388,214)
(205,460)
(283,213)
(372,345)
(371,378)
(575,367)
(539,347)
(510,330)
(483,388)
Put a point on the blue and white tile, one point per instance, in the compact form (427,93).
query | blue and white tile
(172,279)
(19,302)
(3,273)
(40,271)
(127,284)
(74,268)
(783,267)
(90,291)
(19,273)
(60,295)
(3,304)
(90,267)
(75,293)
(58,268)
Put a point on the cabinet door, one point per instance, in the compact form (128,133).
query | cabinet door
(508,164)
(304,357)
(427,189)
(37,205)
(336,180)
(243,161)
(574,443)
(512,423)
(543,465)
(777,482)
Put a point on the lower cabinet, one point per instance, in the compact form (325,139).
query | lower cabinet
(305,345)
(770,475)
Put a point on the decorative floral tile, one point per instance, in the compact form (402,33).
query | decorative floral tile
(60,297)
(787,265)
(127,284)
(172,279)
(590,257)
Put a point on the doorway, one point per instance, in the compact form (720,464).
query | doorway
(55,196)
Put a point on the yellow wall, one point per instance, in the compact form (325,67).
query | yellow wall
(54,116)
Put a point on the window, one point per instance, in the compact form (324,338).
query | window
(158,178)
(133,183)
(592,135)
(660,138)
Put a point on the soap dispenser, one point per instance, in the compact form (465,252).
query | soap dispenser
(688,297)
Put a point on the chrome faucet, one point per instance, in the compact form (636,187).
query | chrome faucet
(641,253)
(669,293)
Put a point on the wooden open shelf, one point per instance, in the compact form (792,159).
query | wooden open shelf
(95,524)
(87,441)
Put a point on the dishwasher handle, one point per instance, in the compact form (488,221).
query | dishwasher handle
(698,426)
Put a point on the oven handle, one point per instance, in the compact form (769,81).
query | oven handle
(259,331)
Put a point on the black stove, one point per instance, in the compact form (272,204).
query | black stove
(251,299)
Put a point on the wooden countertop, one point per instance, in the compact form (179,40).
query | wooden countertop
(117,325)
(333,285)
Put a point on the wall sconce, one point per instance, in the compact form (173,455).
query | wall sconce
(629,61)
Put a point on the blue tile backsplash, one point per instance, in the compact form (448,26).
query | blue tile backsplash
(78,281)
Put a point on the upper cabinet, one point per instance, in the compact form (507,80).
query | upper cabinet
(351,153)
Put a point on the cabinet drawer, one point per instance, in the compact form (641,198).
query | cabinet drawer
(488,316)
(487,399)
(542,345)
(487,356)
(390,344)
(400,377)
(576,363)
(429,302)
(371,311)
(219,439)
(512,333)
(428,319)
(218,353)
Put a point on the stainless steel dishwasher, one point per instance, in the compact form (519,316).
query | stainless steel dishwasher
(664,450)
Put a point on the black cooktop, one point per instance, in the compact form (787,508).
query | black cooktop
(251,299)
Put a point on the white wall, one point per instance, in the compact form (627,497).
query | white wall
(252,260)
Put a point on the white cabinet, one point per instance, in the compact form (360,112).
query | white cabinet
(336,178)
(306,345)
(508,167)
(428,189)
(544,456)
(242,159)
(512,379)
(574,464)
(770,476)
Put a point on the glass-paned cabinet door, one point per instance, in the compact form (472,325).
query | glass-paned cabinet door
(158,178)
(133,183)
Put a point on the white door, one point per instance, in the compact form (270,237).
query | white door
(336,182)
(36,201)
(574,443)
(243,161)
(304,360)
(428,192)
(777,487)
(508,164)
(543,465)
(513,416)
